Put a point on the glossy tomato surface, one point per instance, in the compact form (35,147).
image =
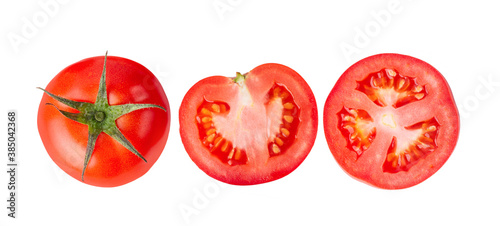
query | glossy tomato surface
(391,121)
(255,128)
(66,140)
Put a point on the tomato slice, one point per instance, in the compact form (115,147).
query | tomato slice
(391,121)
(250,129)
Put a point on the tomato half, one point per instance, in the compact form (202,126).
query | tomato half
(104,122)
(251,129)
(391,121)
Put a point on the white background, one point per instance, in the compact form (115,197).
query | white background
(185,41)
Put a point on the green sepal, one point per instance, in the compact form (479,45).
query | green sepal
(116,134)
(90,149)
(70,103)
(70,115)
(119,110)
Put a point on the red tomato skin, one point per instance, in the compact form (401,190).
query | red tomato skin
(259,80)
(440,104)
(111,164)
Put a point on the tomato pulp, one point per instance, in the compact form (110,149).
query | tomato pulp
(250,129)
(104,120)
(391,121)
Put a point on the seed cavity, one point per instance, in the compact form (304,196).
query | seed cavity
(357,127)
(389,88)
(286,135)
(212,140)
(403,158)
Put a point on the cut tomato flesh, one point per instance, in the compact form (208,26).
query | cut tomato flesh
(251,129)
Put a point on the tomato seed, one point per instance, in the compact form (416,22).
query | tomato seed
(388,88)
(418,88)
(205,111)
(237,154)
(419,96)
(211,131)
(211,138)
(230,156)
(216,108)
(401,84)
(288,106)
(278,141)
(276,149)
(224,146)
(276,91)
(285,132)
(390,72)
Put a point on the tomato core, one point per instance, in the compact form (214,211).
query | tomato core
(388,120)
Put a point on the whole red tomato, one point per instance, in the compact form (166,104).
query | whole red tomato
(391,121)
(104,120)
(251,129)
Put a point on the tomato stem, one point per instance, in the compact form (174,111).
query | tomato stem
(99,116)
(240,78)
